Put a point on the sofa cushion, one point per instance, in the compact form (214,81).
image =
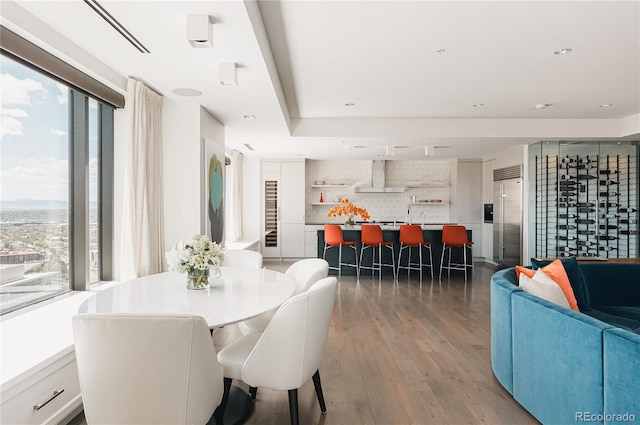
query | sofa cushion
(624,317)
(544,287)
(575,279)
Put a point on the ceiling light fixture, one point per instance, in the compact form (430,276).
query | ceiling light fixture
(429,151)
(564,51)
(184,91)
(199,31)
(606,105)
(440,51)
(543,105)
(228,74)
(249,146)
(249,116)
(478,105)
(350,104)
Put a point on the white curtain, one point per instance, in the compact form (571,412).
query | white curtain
(147,218)
(237,195)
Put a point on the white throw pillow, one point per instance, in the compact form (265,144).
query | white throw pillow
(544,287)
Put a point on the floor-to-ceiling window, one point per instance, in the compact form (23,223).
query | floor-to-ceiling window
(54,156)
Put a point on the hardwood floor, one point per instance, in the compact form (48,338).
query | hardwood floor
(402,353)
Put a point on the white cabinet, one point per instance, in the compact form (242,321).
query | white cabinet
(311,240)
(283,190)
(50,399)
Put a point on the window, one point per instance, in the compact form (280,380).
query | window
(55,187)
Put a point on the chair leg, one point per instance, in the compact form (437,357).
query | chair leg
(218,414)
(293,407)
(431,260)
(339,262)
(319,394)
(464,260)
(253,391)
(444,247)
(420,257)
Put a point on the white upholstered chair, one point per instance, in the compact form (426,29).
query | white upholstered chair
(243,257)
(289,351)
(304,273)
(146,369)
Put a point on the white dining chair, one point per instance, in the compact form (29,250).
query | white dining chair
(243,257)
(289,351)
(304,273)
(146,369)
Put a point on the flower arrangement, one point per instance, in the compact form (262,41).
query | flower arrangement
(350,210)
(196,258)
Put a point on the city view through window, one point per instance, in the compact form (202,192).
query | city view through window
(34,187)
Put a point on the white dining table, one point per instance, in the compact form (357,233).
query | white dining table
(238,294)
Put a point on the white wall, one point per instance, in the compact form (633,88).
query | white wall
(508,158)
(181,150)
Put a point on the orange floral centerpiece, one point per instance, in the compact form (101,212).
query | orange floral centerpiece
(350,210)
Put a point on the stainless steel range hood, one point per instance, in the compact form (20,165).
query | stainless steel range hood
(378,180)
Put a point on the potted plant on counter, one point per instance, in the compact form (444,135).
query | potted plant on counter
(350,210)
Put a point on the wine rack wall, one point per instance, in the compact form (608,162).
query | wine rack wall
(586,206)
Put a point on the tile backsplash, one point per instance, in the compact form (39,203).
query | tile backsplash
(381,206)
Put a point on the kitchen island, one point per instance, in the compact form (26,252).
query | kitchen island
(390,232)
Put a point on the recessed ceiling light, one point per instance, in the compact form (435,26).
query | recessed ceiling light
(186,92)
(440,51)
(543,105)
(564,51)
(606,105)
(349,104)
(478,105)
(249,146)
(248,116)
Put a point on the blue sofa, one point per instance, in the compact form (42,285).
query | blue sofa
(564,366)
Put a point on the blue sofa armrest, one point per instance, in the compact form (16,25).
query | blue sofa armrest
(501,350)
(557,360)
(621,377)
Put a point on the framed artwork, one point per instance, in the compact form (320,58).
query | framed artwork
(212,198)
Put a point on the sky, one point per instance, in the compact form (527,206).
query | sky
(34,135)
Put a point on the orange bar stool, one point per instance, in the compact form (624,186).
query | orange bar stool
(333,239)
(371,237)
(411,237)
(456,237)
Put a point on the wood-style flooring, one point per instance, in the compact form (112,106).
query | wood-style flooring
(402,353)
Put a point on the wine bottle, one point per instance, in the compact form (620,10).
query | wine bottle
(606,194)
(628,221)
(628,232)
(607,238)
(608,205)
(567,216)
(607,226)
(585,177)
(567,183)
(609,215)
(608,182)
(566,238)
(609,172)
(584,243)
(627,210)
(586,232)
(586,204)
(585,209)
(567,226)
(568,160)
(564,248)
(585,221)
(568,193)
(607,248)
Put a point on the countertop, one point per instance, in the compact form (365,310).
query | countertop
(388,226)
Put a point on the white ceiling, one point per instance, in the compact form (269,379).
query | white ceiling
(300,62)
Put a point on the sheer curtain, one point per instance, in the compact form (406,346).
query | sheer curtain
(237,195)
(145,171)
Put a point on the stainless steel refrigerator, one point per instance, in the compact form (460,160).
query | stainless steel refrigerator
(507,215)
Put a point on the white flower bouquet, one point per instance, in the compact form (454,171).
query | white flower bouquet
(195,258)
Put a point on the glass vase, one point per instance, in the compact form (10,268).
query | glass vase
(198,279)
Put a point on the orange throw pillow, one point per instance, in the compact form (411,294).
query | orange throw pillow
(527,272)
(555,270)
